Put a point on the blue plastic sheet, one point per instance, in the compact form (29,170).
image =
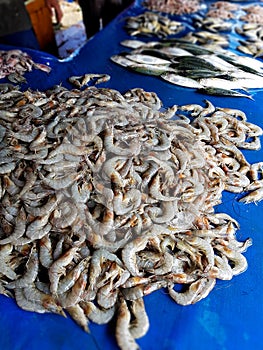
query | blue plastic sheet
(231,317)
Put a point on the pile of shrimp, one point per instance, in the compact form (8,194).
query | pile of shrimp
(174,7)
(222,10)
(107,197)
(15,63)
(254,14)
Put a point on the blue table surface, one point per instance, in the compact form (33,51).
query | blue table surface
(231,317)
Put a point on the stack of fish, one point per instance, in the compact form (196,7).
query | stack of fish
(212,24)
(253,33)
(152,24)
(193,66)
(207,37)
(225,71)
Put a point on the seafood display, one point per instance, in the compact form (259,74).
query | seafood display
(174,7)
(210,26)
(14,63)
(248,24)
(190,65)
(152,24)
(107,197)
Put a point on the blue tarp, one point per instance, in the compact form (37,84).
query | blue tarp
(231,317)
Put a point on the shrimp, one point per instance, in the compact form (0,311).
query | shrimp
(75,295)
(62,166)
(45,251)
(38,228)
(58,250)
(235,257)
(70,279)
(64,215)
(109,170)
(166,266)
(166,166)
(107,296)
(222,270)
(60,182)
(104,227)
(163,144)
(153,286)
(45,209)
(80,194)
(58,268)
(123,204)
(196,291)
(37,297)
(155,190)
(7,168)
(39,140)
(134,281)
(148,259)
(139,327)
(26,304)
(78,315)
(19,229)
(236,113)
(10,186)
(193,109)
(98,258)
(165,213)
(129,254)
(133,293)
(96,314)
(32,268)
(123,336)
(253,197)
(204,246)
(31,178)
(104,193)
(130,150)
(82,80)
(5,269)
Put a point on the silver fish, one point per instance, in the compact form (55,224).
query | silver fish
(181,80)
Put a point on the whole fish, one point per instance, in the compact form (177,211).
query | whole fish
(181,80)
(222,92)
(150,69)
(147,59)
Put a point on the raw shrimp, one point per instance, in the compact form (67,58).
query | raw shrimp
(123,336)
(58,268)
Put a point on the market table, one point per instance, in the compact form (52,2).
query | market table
(231,317)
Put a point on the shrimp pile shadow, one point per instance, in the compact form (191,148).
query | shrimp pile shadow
(107,197)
